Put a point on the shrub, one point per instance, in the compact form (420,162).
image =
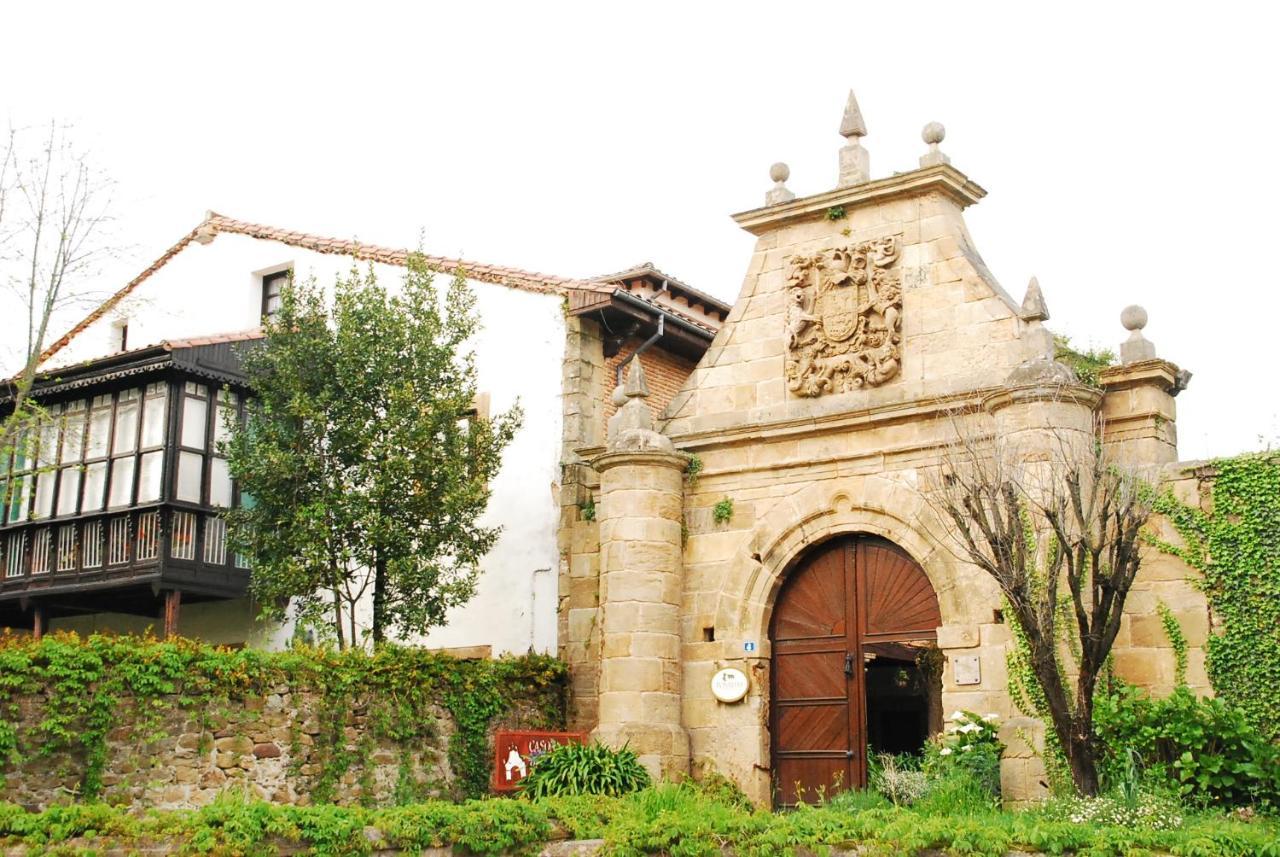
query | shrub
(896,778)
(585,769)
(1203,748)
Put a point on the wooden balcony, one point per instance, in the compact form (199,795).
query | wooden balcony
(141,561)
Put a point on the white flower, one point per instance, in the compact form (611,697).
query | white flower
(967,747)
(958,716)
(991,718)
(945,751)
(969,727)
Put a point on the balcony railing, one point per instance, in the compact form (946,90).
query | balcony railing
(160,541)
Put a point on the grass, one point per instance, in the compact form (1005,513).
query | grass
(676,820)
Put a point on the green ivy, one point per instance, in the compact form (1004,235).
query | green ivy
(1177,641)
(1236,546)
(90,687)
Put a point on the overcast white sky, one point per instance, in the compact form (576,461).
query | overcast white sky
(1129,149)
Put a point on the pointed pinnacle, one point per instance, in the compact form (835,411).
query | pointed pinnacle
(1033,306)
(852,125)
(636,384)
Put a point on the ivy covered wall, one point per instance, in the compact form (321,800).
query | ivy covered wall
(1232,537)
(172,724)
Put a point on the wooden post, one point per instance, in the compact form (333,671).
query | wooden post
(172,603)
(37,622)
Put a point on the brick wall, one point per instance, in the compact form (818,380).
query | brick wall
(666,373)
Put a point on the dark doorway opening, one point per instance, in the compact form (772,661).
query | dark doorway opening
(904,697)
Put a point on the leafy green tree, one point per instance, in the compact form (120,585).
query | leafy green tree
(365,467)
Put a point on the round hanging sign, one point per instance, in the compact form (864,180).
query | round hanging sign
(730,685)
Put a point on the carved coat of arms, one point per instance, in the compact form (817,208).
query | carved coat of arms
(844,312)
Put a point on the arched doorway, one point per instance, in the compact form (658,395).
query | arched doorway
(848,628)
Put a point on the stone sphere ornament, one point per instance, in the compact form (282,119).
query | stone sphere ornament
(780,172)
(933,133)
(1133,317)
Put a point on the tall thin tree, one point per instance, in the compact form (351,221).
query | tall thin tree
(1057,528)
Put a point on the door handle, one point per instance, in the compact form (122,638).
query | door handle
(848,664)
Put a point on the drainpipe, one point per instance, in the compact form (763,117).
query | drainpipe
(644,346)
(533,608)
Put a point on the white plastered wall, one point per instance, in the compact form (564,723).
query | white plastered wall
(216,289)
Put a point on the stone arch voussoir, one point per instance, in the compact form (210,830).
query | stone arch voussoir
(875,505)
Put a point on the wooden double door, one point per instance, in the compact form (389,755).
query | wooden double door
(846,601)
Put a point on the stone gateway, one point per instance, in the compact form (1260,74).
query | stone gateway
(801,547)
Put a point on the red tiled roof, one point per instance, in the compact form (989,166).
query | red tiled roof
(214,224)
(214,339)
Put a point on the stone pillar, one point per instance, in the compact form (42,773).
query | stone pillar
(1139,417)
(641,583)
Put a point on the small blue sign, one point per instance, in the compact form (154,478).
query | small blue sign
(749,646)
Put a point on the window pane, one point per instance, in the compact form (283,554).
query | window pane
(153,411)
(99,431)
(121,482)
(73,438)
(190,467)
(22,453)
(49,441)
(95,481)
(226,411)
(194,413)
(150,471)
(68,490)
(19,494)
(220,483)
(44,494)
(126,437)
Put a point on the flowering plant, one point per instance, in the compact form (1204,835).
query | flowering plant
(1144,812)
(970,747)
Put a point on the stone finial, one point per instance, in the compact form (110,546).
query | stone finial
(851,124)
(1033,306)
(632,427)
(1137,347)
(637,384)
(779,194)
(855,161)
(933,134)
(1038,338)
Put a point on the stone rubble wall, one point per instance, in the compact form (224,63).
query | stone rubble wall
(269,747)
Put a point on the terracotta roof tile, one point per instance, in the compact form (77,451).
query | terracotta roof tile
(214,224)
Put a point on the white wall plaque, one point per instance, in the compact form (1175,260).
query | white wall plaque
(966,669)
(730,685)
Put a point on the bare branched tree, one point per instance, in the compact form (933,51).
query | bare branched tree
(54,224)
(1055,523)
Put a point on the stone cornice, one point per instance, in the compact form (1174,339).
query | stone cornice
(942,178)
(1159,373)
(1078,394)
(802,427)
(653,458)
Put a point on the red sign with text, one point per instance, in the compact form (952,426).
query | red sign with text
(515,754)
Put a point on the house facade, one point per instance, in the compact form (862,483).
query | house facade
(114,523)
(804,555)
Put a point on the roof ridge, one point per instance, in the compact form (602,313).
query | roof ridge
(497,274)
(214,223)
